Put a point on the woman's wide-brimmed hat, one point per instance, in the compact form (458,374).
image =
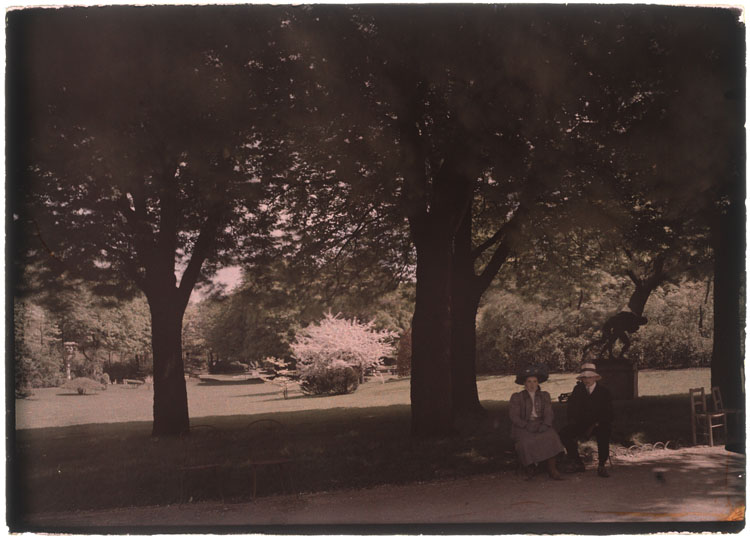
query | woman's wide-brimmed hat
(536,369)
(589,369)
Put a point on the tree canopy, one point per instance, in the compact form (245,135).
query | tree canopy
(363,146)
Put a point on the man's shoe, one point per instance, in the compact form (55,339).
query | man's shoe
(574,466)
(601,471)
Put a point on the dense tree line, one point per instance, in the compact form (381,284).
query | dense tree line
(251,324)
(103,334)
(514,329)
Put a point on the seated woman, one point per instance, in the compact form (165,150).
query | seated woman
(531,423)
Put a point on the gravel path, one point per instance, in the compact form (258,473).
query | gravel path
(696,484)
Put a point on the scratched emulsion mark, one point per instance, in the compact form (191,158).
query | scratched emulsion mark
(736,514)
(644,514)
(736,511)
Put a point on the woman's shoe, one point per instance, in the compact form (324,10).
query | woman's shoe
(552,469)
(530,470)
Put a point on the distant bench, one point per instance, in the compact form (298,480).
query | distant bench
(130,382)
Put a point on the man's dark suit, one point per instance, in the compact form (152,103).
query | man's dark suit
(588,414)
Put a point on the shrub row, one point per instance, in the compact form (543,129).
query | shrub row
(512,331)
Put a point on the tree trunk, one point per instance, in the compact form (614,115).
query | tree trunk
(464,306)
(728,239)
(170,393)
(403,358)
(431,408)
(434,207)
(463,357)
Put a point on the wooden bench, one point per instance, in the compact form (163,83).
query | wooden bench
(270,433)
(193,465)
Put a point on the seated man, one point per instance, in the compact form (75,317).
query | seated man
(589,412)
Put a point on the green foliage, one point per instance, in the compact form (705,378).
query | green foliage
(391,311)
(332,381)
(136,171)
(227,367)
(106,333)
(679,330)
(513,329)
(251,323)
(136,368)
(37,347)
(94,174)
(261,317)
(25,367)
(84,386)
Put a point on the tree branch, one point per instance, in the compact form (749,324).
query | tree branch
(52,254)
(477,251)
(202,249)
(356,233)
(167,234)
(493,266)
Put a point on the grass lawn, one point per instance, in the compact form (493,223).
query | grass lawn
(82,452)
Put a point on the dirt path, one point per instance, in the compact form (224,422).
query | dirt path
(694,484)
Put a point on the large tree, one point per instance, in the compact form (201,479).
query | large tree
(665,111)
(136,164)
(590,101)
(692,156)
(419,116)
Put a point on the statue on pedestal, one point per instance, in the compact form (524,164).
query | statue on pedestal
(617,328)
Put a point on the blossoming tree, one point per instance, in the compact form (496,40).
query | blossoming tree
(334,354)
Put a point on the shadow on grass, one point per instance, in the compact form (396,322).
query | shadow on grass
(298,396)
(255,394)
(204,383)
(75,394)
(111,465)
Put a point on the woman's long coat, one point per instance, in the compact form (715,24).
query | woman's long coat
(535,439)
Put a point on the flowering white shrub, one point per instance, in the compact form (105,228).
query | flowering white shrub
(334,346)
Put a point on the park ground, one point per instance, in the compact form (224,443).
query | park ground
(369,474)
(692,485)
(54,407)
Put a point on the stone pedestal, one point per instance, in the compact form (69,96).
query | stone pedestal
(620,376)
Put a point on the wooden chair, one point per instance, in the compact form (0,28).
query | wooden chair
(731,413)
(194,465)
(270,448)
(703,419)
(719,403)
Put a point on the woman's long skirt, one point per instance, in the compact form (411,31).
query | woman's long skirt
(533,447)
